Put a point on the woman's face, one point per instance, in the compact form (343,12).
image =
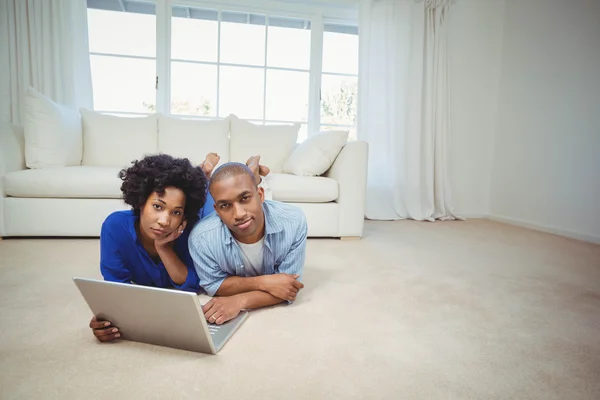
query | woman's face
(161,215)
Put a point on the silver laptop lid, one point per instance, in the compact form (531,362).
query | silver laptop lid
(145,314)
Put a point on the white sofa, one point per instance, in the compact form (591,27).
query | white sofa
(73,200)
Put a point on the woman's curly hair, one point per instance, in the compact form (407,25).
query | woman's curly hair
(155,173)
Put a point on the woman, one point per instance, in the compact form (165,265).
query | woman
(148,245)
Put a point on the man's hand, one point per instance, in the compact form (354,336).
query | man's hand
(283,286)
(168,240)
(103,330)
(221,309)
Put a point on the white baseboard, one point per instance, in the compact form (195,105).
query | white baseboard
(473,216)
(544,228)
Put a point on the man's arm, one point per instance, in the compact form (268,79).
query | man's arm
(222,309)
(210,274)
(283,284)
(237,285)
(293,262)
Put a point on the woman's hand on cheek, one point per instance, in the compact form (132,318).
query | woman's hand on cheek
(168,239)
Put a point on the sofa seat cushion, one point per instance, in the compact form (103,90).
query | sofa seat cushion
(65,182)
(302,189)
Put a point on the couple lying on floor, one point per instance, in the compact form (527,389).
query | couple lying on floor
(192,228)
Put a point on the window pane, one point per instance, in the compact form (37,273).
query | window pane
(351,130)
(124,33)
(288,47)
(340,53)
(338,99)
(193,89)
(241,92)
(123,84)
(287,95)
(193,38)
(242,43)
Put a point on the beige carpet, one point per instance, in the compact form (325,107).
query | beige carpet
(453,310)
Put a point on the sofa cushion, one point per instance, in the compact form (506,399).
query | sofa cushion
(193,139)
(274,143)
(65,182)
(52,132)
(302,189)
(110,141)
(316,154)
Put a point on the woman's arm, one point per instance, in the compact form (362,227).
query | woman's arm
(177,270)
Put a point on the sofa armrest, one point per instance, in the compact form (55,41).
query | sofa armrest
(350,171)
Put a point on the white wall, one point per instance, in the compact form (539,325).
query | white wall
(474,58)
(546,168)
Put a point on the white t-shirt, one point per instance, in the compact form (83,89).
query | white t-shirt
(252,257)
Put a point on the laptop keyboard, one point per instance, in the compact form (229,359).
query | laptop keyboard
(213,328)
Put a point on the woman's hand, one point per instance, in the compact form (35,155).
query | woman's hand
(103,330)
(168,240)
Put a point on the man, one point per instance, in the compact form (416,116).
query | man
(250,254)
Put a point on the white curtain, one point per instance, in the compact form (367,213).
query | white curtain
(403,108)
(44,44)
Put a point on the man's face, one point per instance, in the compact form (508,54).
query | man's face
(238,202)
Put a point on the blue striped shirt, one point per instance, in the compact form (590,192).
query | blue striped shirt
(217,255)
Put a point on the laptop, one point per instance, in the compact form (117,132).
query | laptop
(163,317)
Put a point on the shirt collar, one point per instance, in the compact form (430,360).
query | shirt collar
(272,225)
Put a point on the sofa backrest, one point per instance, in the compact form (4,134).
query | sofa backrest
(96,139)
(110,141)
(193,139)
(274,143)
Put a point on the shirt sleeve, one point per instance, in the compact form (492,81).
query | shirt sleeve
(112,266)
(293,262)
(210,274)
(191,281)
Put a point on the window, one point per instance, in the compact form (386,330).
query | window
(123,60)
(339,81)
(258,66)
(252,65)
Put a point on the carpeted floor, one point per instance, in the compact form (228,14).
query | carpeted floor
(452,310)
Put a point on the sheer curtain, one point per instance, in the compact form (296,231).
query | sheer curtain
(403,108)
(44,44)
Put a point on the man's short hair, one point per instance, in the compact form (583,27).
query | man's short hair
(229,170)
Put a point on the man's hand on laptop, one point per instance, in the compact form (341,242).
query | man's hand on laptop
(103,330)
(221,309)
(282,286)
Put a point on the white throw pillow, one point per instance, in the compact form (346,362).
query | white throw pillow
(110,141)
(193,139)
(274,143)
(52,132)
(316,154)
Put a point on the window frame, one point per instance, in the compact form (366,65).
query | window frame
(318,15)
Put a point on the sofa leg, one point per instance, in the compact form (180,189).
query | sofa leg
(350,238)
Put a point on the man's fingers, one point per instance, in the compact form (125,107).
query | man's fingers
(298,284)
(214,318)
(209,309)
(208,305)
